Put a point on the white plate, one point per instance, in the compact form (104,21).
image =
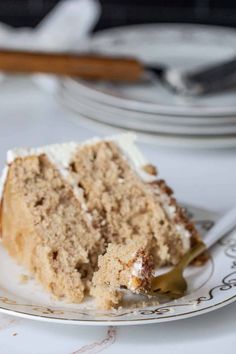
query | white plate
(210,287)
(134,120)
(166,140)
(180,46)
(77,91)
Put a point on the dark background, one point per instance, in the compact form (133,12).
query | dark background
(122,12)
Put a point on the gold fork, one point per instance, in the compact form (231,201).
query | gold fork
(173,283)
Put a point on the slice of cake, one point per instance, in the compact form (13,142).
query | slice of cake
(127,266)
(62,205)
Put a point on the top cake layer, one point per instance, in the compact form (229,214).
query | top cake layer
(61,156)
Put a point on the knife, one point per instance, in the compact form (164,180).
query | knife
(209,79)
(86,66)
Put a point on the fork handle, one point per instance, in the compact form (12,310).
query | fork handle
(191,255)
(225,224)
(81,65)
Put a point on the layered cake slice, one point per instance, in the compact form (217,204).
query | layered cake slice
(61,206)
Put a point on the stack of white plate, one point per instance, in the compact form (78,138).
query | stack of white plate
(147,107)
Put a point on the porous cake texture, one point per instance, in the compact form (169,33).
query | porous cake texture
(62,205)
(121,267)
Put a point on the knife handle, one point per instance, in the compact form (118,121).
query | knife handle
(84,66)
(213,78)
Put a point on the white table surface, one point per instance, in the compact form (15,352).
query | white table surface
(30,116)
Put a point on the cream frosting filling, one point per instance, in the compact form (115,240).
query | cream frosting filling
(136,272)
(62,154)
(137,269)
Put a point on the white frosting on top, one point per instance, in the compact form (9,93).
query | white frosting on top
(61,155)
(3,179)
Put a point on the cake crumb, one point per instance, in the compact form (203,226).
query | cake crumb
(24,279)
(14,334)
(150,169)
